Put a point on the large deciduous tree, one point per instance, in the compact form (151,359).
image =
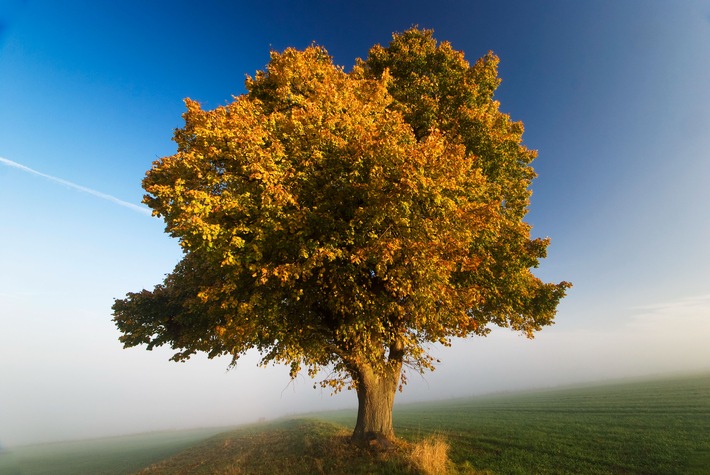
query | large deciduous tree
(347,220)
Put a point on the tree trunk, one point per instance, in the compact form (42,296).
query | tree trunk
(375,395)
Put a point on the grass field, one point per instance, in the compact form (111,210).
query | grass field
(110,456)
(649,427)
(660,427)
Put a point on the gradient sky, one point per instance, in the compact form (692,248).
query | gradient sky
(615,95)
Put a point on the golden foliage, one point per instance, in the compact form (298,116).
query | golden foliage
(340,219)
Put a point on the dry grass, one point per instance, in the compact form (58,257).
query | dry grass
(431,455)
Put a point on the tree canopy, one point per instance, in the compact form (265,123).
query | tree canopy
(346,220)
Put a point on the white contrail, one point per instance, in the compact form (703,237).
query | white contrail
(98,194)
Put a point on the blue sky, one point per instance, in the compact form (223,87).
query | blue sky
(613,94)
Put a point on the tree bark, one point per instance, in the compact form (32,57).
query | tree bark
(375,396)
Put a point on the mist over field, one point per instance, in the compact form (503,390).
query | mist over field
(614,98)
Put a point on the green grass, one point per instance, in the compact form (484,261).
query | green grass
(111,456)
(650,427)
(660,427)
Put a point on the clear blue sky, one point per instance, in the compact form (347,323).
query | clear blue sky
(614,94)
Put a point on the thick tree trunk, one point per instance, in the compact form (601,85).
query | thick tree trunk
(375,395)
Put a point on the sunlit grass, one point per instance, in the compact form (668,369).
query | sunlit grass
(430,456)
(299,446)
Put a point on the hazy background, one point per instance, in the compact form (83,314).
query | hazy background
(614,94)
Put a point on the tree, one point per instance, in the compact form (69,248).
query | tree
(347,220)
